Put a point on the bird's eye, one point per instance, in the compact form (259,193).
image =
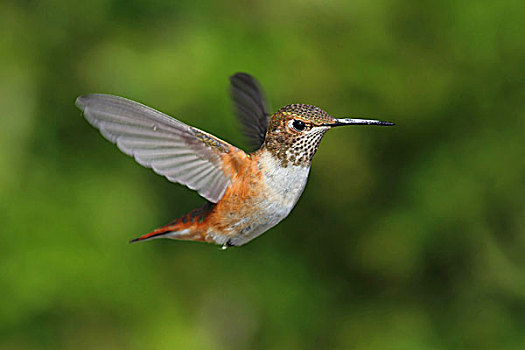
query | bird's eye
(298,125)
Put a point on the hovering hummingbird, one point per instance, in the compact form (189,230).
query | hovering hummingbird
(246,193)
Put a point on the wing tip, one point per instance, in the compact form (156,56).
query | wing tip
(81,102)
(239,75)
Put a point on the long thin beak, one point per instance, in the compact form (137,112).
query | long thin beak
(347,121)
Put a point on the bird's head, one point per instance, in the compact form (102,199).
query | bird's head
(295,131)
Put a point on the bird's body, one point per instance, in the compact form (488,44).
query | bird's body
(260,196)
(247,193)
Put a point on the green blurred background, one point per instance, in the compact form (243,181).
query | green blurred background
(410,237)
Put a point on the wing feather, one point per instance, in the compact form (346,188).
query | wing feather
(179,152)
(250,107)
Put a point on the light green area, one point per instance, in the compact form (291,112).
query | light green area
(410,237)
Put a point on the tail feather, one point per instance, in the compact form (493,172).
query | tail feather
(185,227)
(155,234)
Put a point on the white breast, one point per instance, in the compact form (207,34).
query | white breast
(283,187)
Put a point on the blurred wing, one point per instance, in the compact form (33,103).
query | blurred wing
(179,152)
(250,106)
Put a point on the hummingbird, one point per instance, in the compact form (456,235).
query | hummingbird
(246,193)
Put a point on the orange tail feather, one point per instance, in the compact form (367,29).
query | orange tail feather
(158,232)
(185,227)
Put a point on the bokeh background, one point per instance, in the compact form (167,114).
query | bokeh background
(410,237)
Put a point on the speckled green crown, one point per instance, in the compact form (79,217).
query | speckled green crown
(308,113)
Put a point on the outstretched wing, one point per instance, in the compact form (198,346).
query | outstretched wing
(179,152)
(250,106)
